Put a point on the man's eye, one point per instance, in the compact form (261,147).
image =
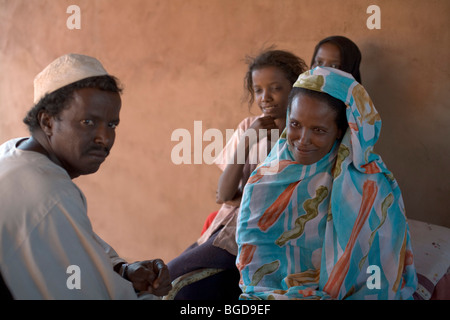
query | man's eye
(113,125)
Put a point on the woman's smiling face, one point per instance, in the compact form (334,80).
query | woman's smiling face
(311,129)
(271,89)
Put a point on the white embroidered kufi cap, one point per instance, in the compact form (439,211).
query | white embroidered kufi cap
(65,70)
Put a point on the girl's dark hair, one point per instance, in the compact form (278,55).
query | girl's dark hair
(291,65)
(350,54)
(337,105)
(53,103)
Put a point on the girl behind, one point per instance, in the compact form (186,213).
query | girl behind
(268,82)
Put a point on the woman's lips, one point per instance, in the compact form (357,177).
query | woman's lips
(269,108)
(304,151)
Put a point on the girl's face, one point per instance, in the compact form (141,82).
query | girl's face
(328,55)
(311,129)
(271,89)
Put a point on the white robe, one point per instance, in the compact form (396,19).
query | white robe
(44,229)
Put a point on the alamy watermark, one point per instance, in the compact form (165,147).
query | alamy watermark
(74,280)
(191,150)
(374,280)
(74,20)
(374,20)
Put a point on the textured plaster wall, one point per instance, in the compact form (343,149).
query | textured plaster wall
(182,61)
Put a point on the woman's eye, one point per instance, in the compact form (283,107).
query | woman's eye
(113,125)
(87,122)
(320,131)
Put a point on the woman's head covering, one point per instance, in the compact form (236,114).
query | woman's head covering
(350,54)
(363,119)
(315,230)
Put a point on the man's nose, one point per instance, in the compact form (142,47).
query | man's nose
(104,136)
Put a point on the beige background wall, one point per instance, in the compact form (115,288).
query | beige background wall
(182,61)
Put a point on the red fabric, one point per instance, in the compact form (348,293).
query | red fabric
(208,221)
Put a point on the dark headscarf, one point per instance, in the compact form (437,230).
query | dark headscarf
(350,54)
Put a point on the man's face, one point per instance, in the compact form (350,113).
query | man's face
(83,134)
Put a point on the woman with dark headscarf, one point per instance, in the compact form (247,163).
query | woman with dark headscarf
(338,52)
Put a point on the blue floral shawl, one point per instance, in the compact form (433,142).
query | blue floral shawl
(335,229)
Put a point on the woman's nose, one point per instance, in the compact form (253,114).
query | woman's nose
(304,136)
(266,96)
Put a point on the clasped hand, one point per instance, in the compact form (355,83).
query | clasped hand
(150,276)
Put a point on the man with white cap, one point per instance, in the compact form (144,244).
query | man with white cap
(48,249)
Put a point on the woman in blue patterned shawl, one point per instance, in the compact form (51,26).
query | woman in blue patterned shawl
(322,217)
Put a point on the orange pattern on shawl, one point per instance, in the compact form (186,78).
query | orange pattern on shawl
(340,270)
(264,170)
(272,213)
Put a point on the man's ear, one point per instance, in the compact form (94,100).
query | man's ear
(46,122)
